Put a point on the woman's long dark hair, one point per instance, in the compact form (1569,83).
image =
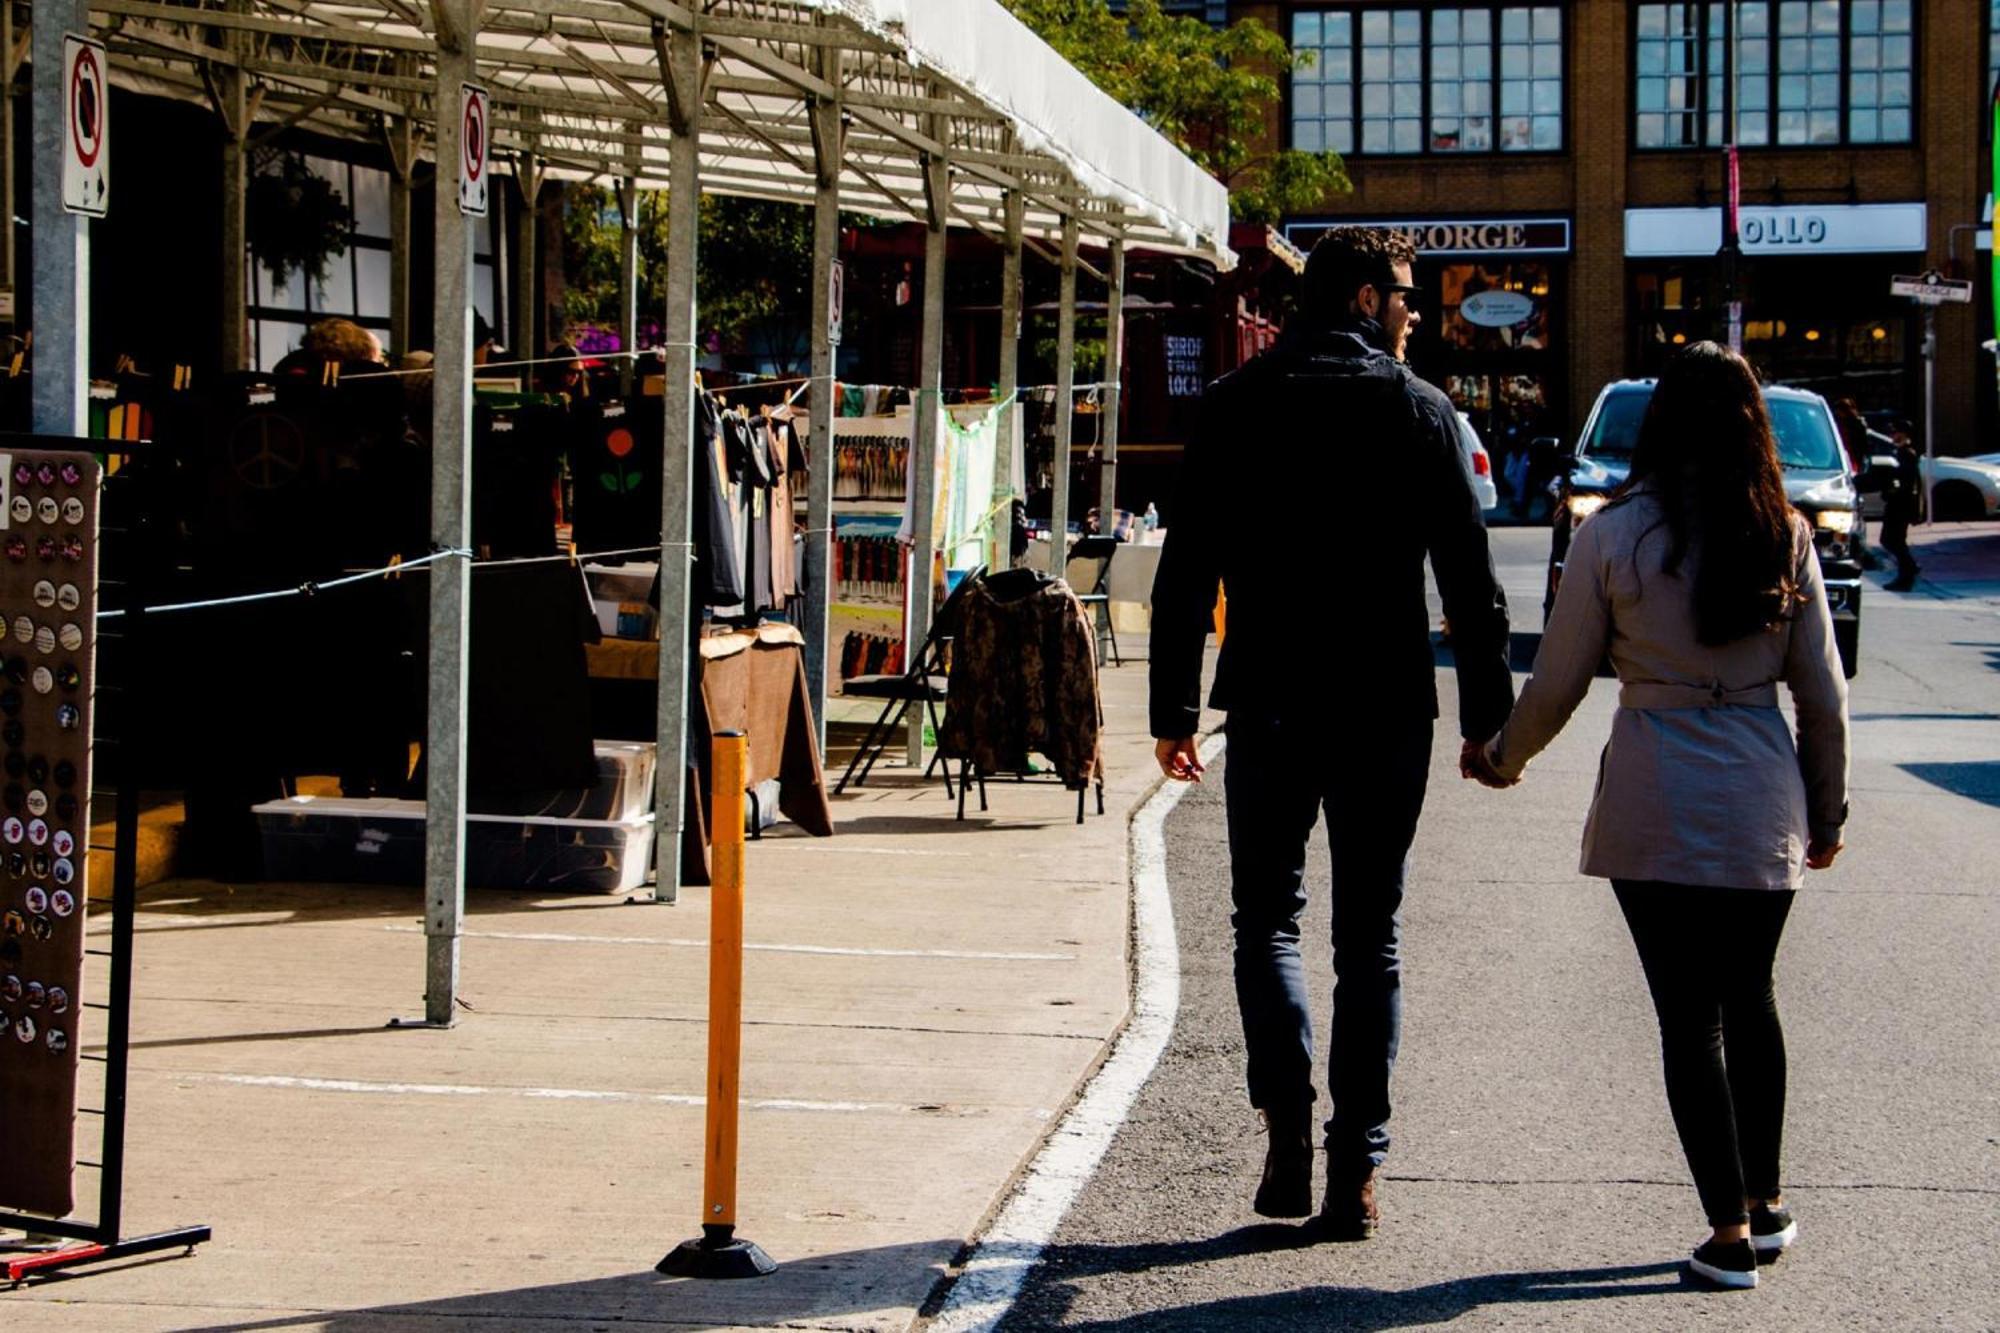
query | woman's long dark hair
(1705,449)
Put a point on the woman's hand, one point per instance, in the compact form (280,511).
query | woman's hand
(1819,855)
(1473,763)
(1179,759)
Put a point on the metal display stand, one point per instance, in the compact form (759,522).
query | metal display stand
(79,1243)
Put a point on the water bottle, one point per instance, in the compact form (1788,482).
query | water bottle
(1152,518)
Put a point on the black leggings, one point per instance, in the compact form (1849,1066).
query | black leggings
(1708,954)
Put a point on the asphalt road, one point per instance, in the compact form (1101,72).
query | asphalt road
(1536,1180)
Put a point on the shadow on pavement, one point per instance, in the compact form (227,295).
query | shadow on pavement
(806,1291)
(1975,781)
(213,905)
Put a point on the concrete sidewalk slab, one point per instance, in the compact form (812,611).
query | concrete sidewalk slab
(923,996)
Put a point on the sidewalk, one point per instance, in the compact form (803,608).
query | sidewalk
(923,996)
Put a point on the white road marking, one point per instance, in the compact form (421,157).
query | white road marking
(1001,1259)
(371,1088)
(544,937)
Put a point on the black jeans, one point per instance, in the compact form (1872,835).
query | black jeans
(1369,779)
(1896,541)
(1708,955)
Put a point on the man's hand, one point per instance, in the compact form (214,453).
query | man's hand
(1179,759)
(1473,763)
(1819,855)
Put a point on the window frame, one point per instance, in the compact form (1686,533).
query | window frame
(1773,73)
(1425,12)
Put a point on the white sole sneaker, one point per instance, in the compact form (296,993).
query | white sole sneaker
(1776,1241)
(1734,1278)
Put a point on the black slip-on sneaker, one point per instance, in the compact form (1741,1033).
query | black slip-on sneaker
(1726,1264)
(1772,1228)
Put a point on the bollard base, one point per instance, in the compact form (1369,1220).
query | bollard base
(718,1254)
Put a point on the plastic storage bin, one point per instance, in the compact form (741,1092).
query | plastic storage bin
(321,840)
(623,791)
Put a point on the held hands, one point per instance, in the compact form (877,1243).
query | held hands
(1819,855)
(1179,759)
(1473,763)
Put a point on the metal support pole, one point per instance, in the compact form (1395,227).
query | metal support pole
(1009,385)
(923,456)
(828,148)
(402,137)
(628,273)
(1114,369)
(232,98)
(527,272)
(683,57)
(8,71)
(1065,401)
(62,239)
(451,528)
(1930,412)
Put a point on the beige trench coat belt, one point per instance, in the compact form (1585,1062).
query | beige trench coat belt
(1648,694)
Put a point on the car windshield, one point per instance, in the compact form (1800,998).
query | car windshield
(1805,439)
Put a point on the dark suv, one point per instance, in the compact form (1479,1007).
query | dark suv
(1816,478)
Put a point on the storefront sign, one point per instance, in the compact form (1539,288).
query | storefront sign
(1470,236)
(1187,365)
(1810,229)
(86,175)
(1496,309)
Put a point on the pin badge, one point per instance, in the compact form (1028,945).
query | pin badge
(70,636)
(63,843)
(45,594)
(23,473)
(17,865)
(23,509)
(45,473)
(62,902)
(17,549)
(37,899)
(48,510)
(17,670)
(39,863)
(72,511)
(65,773)
(45,639)
(38,832)
(13,830)
(69,677)
(13,924)
(10,703)
(10,989)
(68,598)
(68,717)
(58,1000)
(24,1028)
(37,995)
(41,928)
(71,474)
(24,629)
(65,870)
(38,802)
(14,798)
(72,547)
(58,1041)
(14,763)
(38,771)
(12,732)
(66,807)
(43,680)
(45,548)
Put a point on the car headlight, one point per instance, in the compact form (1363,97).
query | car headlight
(1835,520)
(1583,506)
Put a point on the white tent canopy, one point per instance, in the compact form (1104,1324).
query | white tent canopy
(580,90)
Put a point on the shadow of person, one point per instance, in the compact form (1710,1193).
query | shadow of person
(1351,1309)
(854,1287)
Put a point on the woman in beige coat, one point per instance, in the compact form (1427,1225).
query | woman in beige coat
(1700,583)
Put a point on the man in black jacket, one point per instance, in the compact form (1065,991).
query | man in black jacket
(1320,477)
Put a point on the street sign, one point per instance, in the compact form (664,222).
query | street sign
(473,142)
(836,300)
(1932,288)
(86,177)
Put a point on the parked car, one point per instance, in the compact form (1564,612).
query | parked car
(1480,462)
(1816,479)
(1962,489)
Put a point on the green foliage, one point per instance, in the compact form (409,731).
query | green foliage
(297,221)
(1208,90)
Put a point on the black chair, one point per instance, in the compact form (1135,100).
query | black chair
(923,678)
(1094,555)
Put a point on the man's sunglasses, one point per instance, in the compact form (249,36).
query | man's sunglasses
(1405,288)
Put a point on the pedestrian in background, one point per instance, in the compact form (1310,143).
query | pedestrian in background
(1700,582)
(1318,721)
(1902,505)
(1860,443)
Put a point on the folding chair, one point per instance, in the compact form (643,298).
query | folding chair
(923,679)
(1090,559)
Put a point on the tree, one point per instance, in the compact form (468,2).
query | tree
(1206,89)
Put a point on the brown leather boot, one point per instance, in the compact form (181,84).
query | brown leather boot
(1286,1189)
(1349,1211)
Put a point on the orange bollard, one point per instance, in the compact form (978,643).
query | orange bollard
(718,1252)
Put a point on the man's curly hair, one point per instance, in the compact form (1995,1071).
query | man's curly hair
(1347,259)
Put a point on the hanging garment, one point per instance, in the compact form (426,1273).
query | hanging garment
(718,579)
(788,460)
(616,452)
(1023,679)
(516,467)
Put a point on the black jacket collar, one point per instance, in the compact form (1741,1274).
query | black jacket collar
(1354,336)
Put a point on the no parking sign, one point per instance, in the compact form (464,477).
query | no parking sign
(86,178)
(473,141)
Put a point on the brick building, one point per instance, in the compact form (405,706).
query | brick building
(1560,166)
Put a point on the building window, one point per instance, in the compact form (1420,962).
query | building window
(1808,72)
(1456,79)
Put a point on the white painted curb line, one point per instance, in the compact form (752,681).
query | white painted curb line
(1001,1259)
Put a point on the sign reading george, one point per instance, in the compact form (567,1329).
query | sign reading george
(86,177)
(473,142)
(1931,288)
(1529,236)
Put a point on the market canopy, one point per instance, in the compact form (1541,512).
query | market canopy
(579,88)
